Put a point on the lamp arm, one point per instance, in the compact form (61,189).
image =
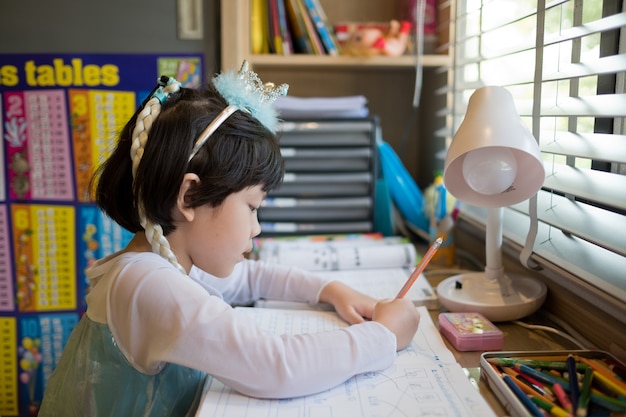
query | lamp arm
(494,271)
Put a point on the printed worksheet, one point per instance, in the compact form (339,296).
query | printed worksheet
(377,283)
(424,381)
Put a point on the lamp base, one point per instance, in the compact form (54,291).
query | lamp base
(474,293)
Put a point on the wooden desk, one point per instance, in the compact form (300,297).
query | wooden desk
(516,338)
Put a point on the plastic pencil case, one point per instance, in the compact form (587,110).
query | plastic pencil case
(470,331)
(507,398)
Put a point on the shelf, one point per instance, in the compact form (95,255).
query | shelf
(326,61)
(236,47)
(387,83)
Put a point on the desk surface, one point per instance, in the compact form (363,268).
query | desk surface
(516,338)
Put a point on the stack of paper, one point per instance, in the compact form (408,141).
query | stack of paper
(378,267)
(290,107)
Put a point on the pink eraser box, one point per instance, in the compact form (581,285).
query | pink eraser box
(470,331)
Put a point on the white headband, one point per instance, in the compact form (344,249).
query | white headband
(243,91)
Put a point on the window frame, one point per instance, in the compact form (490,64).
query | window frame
(590,282)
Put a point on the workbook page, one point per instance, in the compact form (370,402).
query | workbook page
(385,283)
(377,283)
(425,379)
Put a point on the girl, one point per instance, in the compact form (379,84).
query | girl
(190,170)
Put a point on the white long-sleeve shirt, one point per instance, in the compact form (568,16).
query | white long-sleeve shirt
(159,316)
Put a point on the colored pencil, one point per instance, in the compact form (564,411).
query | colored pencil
(535,363)
(544,377)
(610,403)
(563,398)
(536,385)
(610,383)
(525,386)
(420,267)
(551,408)
(610,379)
(528,404)
(573,381)
(585,393)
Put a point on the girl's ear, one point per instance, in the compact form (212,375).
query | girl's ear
(189,180)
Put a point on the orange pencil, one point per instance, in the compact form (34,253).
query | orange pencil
(528,390)
(420,267)
(609,377)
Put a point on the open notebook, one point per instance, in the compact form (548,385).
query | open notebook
(425,379)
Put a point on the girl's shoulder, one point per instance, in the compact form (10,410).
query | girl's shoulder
(119,261)
(130,277)
(126,269)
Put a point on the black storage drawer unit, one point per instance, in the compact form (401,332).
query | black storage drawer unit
(330,176)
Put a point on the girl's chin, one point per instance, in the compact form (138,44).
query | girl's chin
(223,273)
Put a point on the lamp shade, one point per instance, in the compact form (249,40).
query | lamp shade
(493,160)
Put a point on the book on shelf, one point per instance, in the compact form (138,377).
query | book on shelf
(375,265)
(324,29)
(425,378)
(285,27)
(285,33)
(300,38)
(259,38)
(275,37)
(311,31)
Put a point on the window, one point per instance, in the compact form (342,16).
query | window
(564,62)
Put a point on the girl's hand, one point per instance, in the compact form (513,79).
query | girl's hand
(399,316)
(351,305)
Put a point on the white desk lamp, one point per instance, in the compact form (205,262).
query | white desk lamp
(493,161)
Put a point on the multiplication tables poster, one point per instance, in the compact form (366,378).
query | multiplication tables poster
(60,116)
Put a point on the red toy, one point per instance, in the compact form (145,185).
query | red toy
(372,40)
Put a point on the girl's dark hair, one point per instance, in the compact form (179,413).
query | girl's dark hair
(241,153)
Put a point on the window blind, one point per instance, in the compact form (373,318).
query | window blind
(564,62)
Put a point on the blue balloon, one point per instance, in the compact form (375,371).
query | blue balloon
(404,192)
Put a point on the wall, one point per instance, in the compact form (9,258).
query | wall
(88,27)
(112,26)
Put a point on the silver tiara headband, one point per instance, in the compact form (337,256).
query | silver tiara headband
(243,91)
